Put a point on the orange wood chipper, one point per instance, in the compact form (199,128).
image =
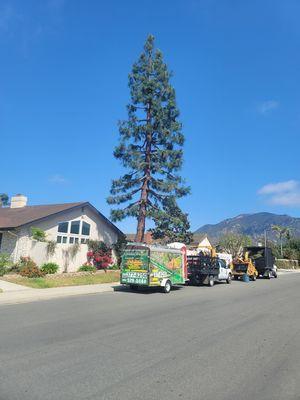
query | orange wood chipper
(244,266)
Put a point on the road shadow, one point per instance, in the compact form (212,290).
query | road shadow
(204,285)
(144,290)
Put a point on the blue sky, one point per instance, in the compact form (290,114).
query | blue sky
(63,87)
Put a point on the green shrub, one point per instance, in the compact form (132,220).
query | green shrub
(49,268)
(29,269)
(14,268)
(38,234)
(113,267)
(87,268)
(5,263)
(287,264)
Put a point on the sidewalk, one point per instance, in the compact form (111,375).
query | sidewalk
(284,271)
(11,287)
(21,294)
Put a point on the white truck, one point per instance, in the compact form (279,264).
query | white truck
(203,269)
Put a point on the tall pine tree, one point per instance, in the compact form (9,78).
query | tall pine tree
(150,145)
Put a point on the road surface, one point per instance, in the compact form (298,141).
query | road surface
(235,342)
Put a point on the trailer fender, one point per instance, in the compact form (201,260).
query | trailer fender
(163,282)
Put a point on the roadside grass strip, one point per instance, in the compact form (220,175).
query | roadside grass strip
(61,280)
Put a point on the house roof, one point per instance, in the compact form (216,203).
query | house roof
(15,217)
(198,238)
(148,239)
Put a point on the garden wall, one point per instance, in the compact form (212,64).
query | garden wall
(62,255)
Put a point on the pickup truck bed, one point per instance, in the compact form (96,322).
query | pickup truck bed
(200,267)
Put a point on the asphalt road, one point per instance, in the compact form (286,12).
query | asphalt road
(235,342)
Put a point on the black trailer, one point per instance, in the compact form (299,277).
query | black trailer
(263,259)
(203,269)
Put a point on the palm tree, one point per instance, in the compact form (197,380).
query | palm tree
(281,232)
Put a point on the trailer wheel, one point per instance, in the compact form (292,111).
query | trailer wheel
(167,287)
(211,281)
(228,280)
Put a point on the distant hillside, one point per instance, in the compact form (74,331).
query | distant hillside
(253,225)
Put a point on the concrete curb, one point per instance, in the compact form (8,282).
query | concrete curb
(287,271)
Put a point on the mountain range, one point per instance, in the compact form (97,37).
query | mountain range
(253,225)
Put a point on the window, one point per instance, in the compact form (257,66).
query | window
(63,227)
(75,227)
(1,235)
(75,232)
(85,230)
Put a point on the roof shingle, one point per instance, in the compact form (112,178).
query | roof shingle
(15,217)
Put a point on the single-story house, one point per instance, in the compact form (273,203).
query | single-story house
(67,224)
(200,243)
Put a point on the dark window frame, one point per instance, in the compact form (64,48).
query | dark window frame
(61,223)
(75,224)
(85,225)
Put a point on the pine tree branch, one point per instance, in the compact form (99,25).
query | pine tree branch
(157,195)
(149,203)
(131,205)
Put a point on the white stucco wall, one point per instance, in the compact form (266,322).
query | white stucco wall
(100,229)
(23,245)
(8,243)
(62,256)
(15,242)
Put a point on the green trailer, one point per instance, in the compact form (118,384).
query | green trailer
(153,266)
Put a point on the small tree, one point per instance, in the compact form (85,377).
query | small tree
(172,225)
(234,243)
(291,249)
(282,232)
(4,199)
(150,145)
(99,254)
(119,247)
(38,234)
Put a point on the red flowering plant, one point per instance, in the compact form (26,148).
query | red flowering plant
(99,254)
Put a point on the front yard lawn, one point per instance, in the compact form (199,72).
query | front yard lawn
(64,280)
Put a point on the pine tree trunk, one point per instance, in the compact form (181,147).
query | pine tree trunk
(142,215)
(145,187)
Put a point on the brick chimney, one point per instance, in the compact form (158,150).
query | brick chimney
(18,201)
